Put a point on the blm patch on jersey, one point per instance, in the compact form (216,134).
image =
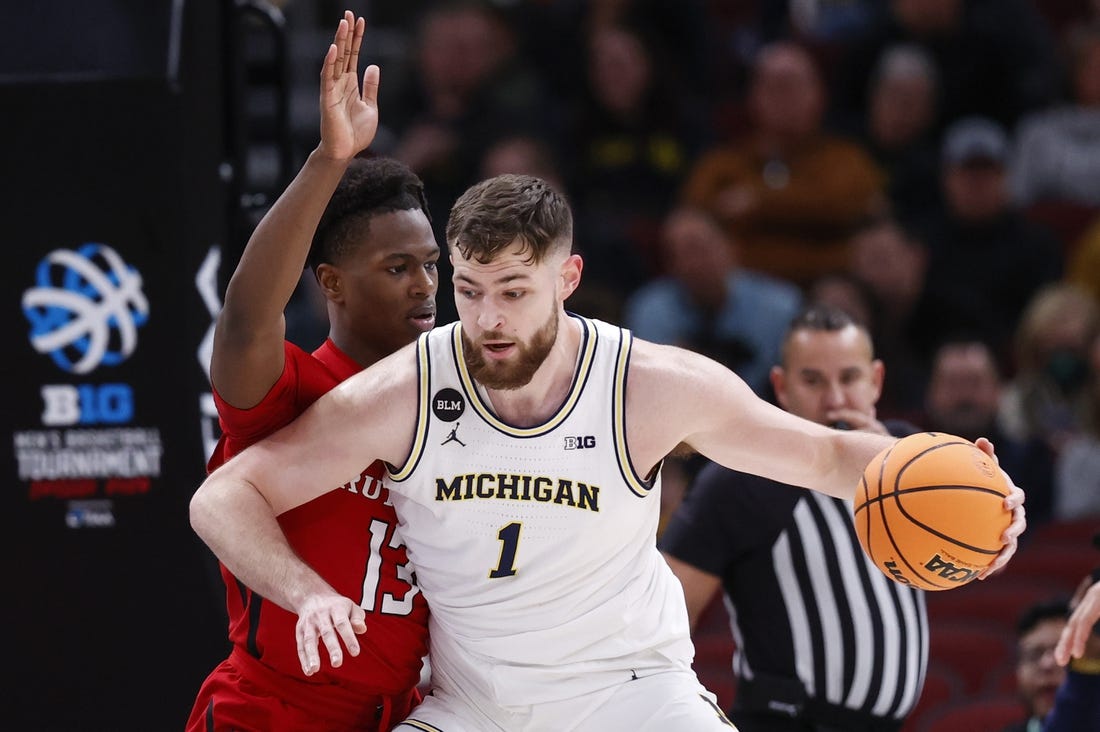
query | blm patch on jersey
(448,405)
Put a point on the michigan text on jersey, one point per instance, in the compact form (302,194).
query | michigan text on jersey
(515,487)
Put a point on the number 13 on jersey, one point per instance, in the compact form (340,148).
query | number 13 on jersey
(373,577)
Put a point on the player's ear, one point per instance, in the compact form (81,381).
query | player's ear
(330,281)
(878,374)
(779,384)
(571,274)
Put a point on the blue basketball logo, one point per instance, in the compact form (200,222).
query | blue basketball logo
(85,308)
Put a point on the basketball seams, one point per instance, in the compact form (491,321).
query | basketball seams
(940,487)
(950,539)
(866,492)
(900,554)
(898,492)
(883,538)
(886,524)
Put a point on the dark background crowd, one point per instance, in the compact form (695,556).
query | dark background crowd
(931,166)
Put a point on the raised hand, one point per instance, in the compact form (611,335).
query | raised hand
(331,619)
(1078,639)
(349,114)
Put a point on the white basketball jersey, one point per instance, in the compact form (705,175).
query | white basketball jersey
(536,546)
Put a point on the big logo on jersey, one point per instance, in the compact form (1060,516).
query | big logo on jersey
(86,308)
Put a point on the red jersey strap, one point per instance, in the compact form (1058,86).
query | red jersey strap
(300,384)
(339,363)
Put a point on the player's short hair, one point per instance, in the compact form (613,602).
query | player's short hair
(1056,608)
(822,319)
(496,212)
(370,186)
(968,338)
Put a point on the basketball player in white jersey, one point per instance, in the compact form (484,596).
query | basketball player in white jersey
(523,445)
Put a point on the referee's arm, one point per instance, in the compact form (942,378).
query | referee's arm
(699,586)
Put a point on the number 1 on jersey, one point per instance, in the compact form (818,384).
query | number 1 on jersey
(509,540)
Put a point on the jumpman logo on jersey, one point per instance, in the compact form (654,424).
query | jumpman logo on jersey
(453,437)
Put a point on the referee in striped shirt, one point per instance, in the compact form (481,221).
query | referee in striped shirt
(824,640)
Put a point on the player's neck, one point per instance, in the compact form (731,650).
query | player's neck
(357,349)
(541,398)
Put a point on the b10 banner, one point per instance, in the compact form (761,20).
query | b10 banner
(114,212)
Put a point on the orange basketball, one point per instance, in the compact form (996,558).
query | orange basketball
(930,512)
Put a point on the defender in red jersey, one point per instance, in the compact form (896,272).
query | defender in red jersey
(374,256)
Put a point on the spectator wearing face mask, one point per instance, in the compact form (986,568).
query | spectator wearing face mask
(1048,397)
(1077,472)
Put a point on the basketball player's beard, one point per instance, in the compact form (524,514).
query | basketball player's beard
(517,373)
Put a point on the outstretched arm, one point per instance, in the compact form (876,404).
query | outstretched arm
(248,340)
(238,524)
(708,407)
(234,510)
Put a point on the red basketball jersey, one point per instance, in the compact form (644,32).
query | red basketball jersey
(346,535)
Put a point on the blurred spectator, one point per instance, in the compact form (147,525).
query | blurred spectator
(522,154)
(630,141)
(893,263)
(1058,149)
(679,32)
(828,22)
(531,156)
(843,291)
(963,397)
(1063,15)
(898,129)
(1038,675)
(986,258)
(469,87)
(1077,470)
(708,304)
(996,57)
(1048,395)
(788,193)
(1084,264)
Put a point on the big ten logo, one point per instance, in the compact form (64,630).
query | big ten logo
(580,442)
(86,404)
(85,308)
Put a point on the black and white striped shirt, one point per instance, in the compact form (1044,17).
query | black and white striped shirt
(805,602)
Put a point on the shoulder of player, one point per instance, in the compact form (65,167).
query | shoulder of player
(393,378)
(657,366)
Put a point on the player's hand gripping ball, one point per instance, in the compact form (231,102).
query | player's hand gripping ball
(930,511)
